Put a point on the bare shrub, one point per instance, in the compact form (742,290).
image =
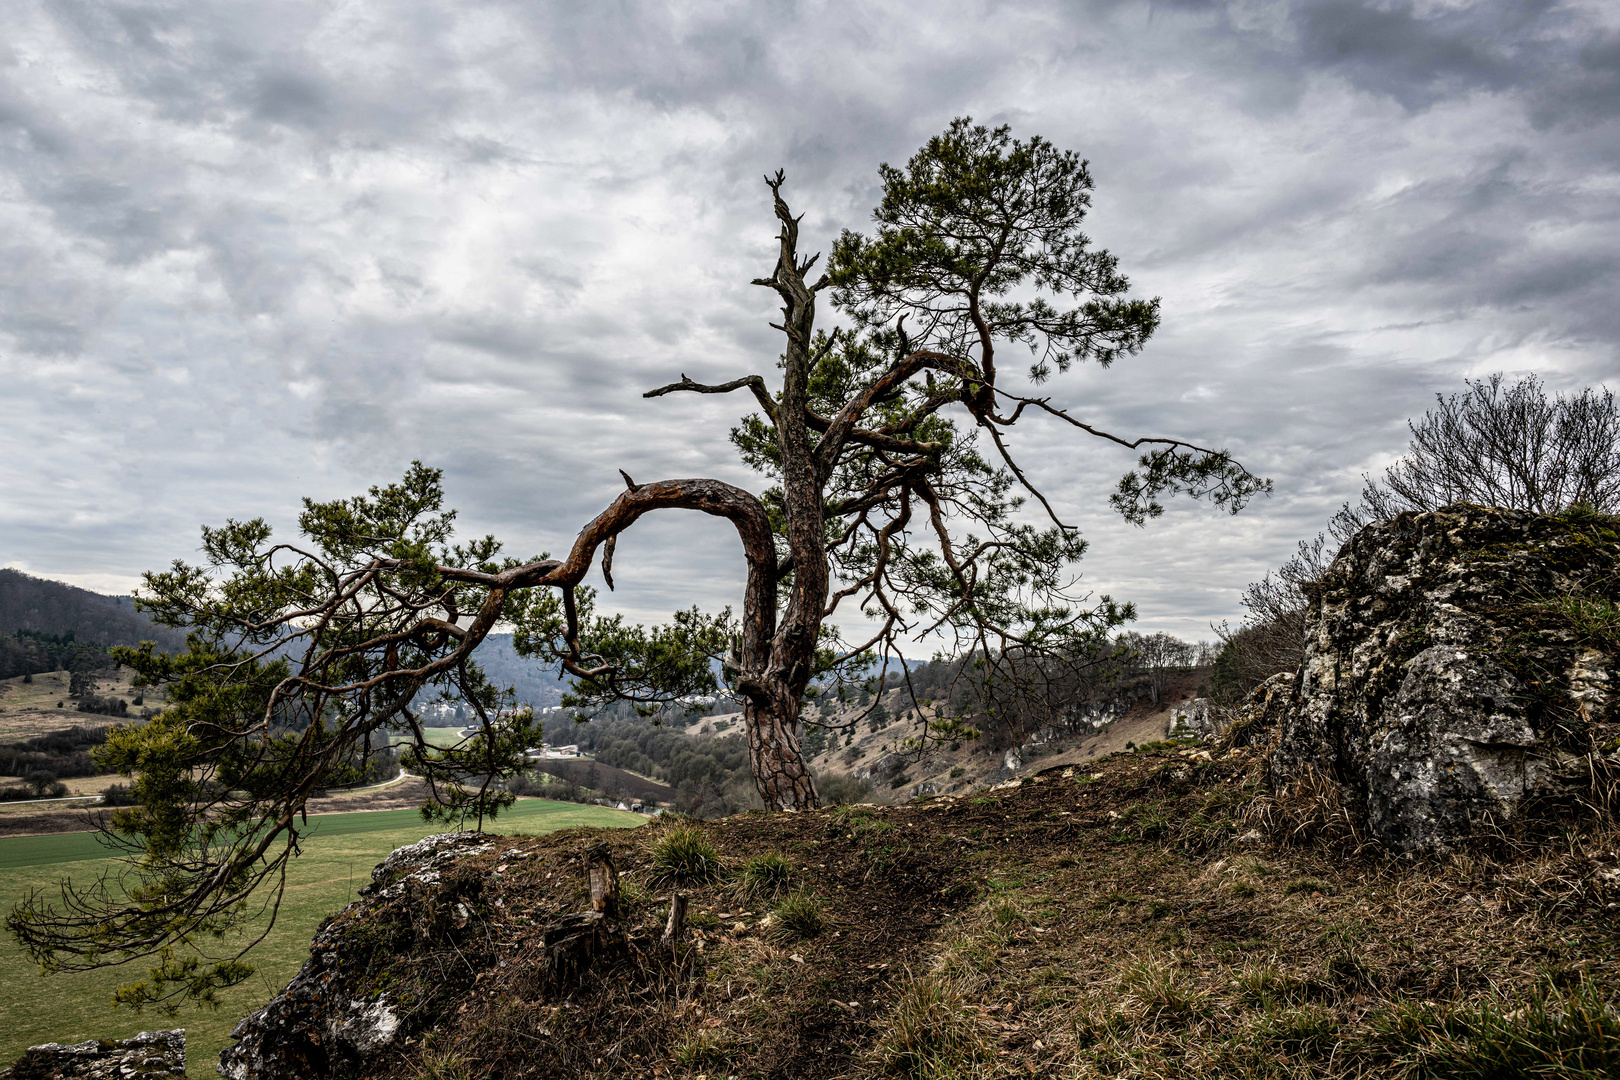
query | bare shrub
(1499,444)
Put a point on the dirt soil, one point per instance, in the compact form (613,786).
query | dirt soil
(1127,919)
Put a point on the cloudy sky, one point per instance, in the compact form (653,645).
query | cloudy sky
(250,252)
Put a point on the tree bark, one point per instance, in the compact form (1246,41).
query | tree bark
(772,719)
(780,773)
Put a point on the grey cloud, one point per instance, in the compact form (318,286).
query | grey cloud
(1413,59)
(297,249)
(299,98)
(1566,65)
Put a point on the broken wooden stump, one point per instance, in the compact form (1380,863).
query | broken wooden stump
(572,944)
(603,877)
(677,919)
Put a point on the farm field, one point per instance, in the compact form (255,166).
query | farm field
(337,861)
(436,736)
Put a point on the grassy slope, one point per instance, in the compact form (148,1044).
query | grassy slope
(336,862)
(1090,922)
(29,709)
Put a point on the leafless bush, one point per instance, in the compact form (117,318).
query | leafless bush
(1509,446)
(1160,656)
(1498,444)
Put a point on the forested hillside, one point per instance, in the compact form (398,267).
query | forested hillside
(57,609)
(534,683)
(28,652)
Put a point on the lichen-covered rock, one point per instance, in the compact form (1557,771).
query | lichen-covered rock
(1459,673)
(322,1019)
(151,1054)
(1195,719)
(1260,715)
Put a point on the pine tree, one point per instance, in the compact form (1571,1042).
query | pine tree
(889,485)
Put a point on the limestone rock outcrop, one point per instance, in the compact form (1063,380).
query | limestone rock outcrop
(1261,715)
(147,1056)
(324,1019)
(1195,719)
(1460,675)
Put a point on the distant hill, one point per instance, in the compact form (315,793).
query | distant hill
(536,684)
(52,607)
(58,609)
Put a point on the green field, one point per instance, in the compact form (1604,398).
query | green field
(436,736)
(337,861)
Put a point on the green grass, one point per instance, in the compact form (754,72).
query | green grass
(798,918)
(337,861)
(682,855)
(436,736)
(766,875)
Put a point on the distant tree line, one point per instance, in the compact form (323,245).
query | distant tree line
(710,774)
(32,652)
(64,753)
(39,784)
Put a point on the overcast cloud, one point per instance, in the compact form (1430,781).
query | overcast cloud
(250,252)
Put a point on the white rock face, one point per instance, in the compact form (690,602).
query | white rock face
(1442,688)
(148,1054)
(1195,719)
(369,1027)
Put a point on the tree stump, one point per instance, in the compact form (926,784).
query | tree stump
(603,877)
(677,919)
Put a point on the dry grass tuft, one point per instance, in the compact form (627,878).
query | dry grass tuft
(705,1049)
(798,918)
(1309,810)
(683,855)
(1157,991)
(934,1034)
(1568,1034)
(766,875)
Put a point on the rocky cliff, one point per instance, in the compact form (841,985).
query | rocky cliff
(1460,676)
